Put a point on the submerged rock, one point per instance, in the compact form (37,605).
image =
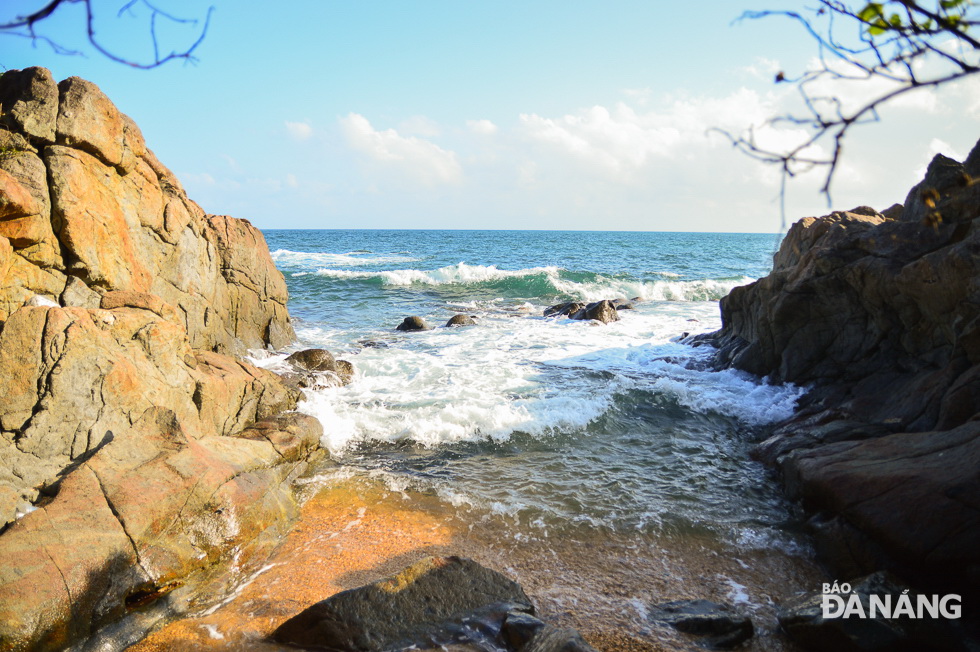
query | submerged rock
(461,320)
(717,626)
(413,323)
(432,602)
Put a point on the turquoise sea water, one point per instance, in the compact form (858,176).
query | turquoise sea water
(550,425)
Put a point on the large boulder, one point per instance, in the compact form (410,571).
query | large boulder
(106,211)
(425,605)
(879,314)
(135,450)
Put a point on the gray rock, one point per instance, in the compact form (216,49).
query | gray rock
(30,101)
(426,604)
(716,625)
(603,311)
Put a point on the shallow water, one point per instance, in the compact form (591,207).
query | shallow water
(604,467)
(549,425)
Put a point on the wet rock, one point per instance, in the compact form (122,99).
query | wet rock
(313,360)
(461,320)
(426,604)
(568,309)
(519,628)
(622,304)
(802,620)
(603,311)
(413,323)
(318,369)
(555,639)
(525,633)
(717,626)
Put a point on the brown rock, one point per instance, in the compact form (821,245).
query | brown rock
(313,360)
(87,120)
(460,320)
(603,311)
(141,301)
(15,200)
(120,410)
(413,323)
(30,102)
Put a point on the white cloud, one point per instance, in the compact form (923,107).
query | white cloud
(621,142)
(410,157)
(419,125)
(291,181)
(483,127)
(299,130)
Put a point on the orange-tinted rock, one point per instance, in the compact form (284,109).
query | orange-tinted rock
(123,404)
(87,120)
(30,102)
(15,200)
(92,224)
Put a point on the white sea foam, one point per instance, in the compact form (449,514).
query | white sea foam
(287,258)
(528,374)
(608,288)
(459,274)
(601,288)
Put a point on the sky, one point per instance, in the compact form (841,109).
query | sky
(497,115)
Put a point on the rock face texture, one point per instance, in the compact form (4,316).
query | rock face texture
(87,209)
(880,315)
(133,448)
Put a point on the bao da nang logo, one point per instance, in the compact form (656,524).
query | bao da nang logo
(839,602)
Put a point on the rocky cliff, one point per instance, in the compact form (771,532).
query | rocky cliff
(879,314)
(134,449)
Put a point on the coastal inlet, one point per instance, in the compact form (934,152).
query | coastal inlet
(605,465)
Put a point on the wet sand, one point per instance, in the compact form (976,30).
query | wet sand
(355,531)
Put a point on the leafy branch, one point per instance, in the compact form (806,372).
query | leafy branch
(907,44)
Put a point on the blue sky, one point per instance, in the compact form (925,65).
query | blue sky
(438,114)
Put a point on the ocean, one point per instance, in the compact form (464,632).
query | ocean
(550,441)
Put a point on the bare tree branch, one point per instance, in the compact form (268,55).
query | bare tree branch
(26,26)
(906,43)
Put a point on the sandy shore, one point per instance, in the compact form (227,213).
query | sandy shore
(355,531)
